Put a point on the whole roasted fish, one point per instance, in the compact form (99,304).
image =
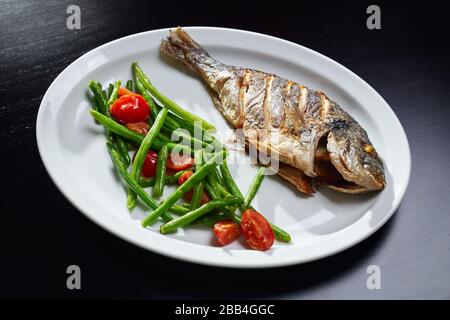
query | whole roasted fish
(312,136)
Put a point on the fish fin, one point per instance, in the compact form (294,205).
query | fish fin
(296,177)
(176,53)
(172,51)
(215,99)
(184,40)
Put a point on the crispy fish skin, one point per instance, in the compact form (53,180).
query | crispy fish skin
(285,119)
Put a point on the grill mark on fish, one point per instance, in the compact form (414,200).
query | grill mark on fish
(284,117)
(267,102)
(241,100)
(291,121)
(253,99)
(302,99)
(324,106)
(229,97)
(278,100)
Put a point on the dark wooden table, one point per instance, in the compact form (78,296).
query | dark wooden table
(407,62)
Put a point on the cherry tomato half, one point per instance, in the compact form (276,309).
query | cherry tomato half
(124,91)
(256,230)
(138,127)
(188,195)
(130,109)
(149,166)
(182,179)
(178,162)
(226,231)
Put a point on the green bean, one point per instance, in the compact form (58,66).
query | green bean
(171,123)
(215,174)
(110,90)
(229,181)
(172,106)
(116,127)
(102,102)
(254,186)
(178,210)
(132,184)
(150,182)
(123,149)
(182,189)
(143,92)
(213,219)
(213,177)
(193,142)
(186,140)
(192,128)
(142,153)
(131,135)
(161,163)
(198,188)
(129,85)
(280,234)
(217,178)
(193,215)
(94,106)
(163,137)
(113,94)
(101,98)
(121,144)
(213,185)
(223,191)
(212,192)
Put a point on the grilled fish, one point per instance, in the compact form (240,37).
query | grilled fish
(313,137)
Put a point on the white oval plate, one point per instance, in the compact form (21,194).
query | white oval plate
(73,149)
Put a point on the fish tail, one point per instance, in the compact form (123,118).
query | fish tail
(180,46)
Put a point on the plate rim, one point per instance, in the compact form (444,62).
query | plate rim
(195,258)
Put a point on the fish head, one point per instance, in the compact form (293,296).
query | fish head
(354,157)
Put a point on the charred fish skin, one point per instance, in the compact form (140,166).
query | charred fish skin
(283,118)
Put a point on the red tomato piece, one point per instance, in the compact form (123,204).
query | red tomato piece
(130,109)
(182,179)
(256,230)
(178,162)
(138,127)
(124,91)
(149,166)
(226,232)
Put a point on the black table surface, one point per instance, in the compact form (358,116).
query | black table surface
(407,62)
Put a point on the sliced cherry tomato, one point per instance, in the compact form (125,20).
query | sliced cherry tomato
(226,231)
(149,166)
(256,230)
(138,127)
(182,179)
(188,195)
(124,91)
(130,109)
(178,162)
